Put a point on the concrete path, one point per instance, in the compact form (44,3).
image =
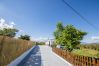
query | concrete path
(32,59)
(42,56)
(50,59)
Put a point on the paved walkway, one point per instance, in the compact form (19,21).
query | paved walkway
(42,56)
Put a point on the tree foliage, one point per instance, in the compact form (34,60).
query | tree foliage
(8,32)
(69,36)
(58,32)
(24,37)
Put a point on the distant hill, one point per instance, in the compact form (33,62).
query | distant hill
(90,43)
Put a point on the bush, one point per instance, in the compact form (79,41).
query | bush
(24,37)
(40,43)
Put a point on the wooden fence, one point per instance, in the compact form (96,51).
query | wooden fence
(76,60)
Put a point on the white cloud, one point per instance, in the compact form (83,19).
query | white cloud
(4,24)
(39,39)
(2,20)
(12,23)
(95,38)
(91,39)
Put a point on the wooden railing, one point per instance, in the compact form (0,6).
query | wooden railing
(75,59)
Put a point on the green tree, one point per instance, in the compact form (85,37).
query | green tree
(58,32)
(69,36)
(24,37)
(8,32)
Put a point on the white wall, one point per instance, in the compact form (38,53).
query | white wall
(49,42)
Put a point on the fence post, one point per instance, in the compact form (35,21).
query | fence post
(98,62)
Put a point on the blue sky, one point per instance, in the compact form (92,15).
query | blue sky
(38,18)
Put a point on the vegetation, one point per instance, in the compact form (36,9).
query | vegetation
(12,48)
(68,36)
(93,46)
(8,32)
(24,37)
(40,43)
(86,52)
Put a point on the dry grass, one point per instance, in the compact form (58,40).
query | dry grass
(11,48)
(87,52)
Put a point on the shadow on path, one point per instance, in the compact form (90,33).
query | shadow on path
(33,58)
